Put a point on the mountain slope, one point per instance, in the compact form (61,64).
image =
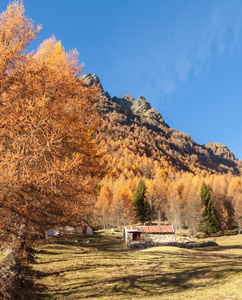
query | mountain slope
(131,127)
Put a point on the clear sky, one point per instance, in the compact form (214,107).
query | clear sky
(183,56)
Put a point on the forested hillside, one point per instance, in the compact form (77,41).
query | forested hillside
(137,143)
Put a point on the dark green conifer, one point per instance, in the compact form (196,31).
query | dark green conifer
(140,203)
(210,222)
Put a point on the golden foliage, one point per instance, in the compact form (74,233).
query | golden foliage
(47,121)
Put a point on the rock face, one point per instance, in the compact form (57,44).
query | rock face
(220,150)
(140,106)
(91,79)
(126,102)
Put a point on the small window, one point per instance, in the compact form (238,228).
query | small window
(136,236)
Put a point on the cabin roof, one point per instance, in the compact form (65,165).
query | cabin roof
(151,229)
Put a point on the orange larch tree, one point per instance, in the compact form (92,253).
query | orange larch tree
(47,123)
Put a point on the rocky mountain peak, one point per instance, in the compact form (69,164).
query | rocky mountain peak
(129,98)
(141,105)
(90,79)
(140,108)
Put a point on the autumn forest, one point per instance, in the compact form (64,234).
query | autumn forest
(138,144)
(73,156)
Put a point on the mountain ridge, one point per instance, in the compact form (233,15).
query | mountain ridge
(177,146)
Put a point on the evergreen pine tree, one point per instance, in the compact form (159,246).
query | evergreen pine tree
(140,203)
(210,221)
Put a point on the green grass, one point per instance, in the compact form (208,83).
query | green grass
(107,269)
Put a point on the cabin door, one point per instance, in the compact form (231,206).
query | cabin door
(136,236)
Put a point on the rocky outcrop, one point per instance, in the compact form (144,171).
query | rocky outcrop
(105,104)
(126,102)
(220,150)
(140,106)
(153,116)
(91,79)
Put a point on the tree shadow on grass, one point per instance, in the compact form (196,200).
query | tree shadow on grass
(171,282)
(221,249)
(153,283)
(191,271)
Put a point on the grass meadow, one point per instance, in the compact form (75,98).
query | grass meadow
(68,268)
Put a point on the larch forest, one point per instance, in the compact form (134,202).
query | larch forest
(138,144)
(72,155)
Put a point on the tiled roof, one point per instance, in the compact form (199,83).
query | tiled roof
(152,229)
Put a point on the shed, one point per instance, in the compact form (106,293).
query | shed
(85,229)
(149,234)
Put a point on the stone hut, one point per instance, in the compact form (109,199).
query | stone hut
(149,234)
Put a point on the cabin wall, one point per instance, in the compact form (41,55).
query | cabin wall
(151,238)
(129,237)
(158,238)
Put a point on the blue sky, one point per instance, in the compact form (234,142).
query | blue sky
(183,56)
